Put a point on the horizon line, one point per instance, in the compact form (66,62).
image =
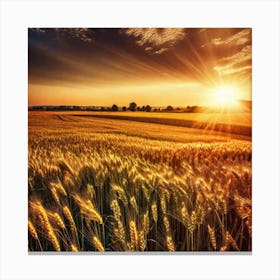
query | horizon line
(156,106)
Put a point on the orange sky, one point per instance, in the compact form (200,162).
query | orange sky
(159,67)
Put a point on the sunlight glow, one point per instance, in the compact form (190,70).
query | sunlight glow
(225,96)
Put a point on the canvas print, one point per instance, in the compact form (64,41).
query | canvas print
(139,139)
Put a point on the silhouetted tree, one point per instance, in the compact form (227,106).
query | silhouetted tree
(124,108)
(132,106)
(102,109)
(148,108)
(195,109)
(169,108)
(115,108)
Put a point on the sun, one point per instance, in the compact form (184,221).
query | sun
(224,96)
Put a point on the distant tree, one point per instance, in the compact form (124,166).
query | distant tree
(132,106)
(138,108)
(102,109)
(193,109)
(169,108)
(148,108)
(115,108)
(124,108)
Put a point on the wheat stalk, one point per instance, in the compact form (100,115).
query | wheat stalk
(170,243)
(193,222)
(154,211)
(69,217)
(146,222)
(134,204)
(231,241)
(212,236)
(121,192)
(57,219)
(133,234)
(45,224)
(97,244)
(142,240)
(32,230)
(87,209)
(163,204)
(114,205)
(74,248)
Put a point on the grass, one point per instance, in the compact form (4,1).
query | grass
(101,184)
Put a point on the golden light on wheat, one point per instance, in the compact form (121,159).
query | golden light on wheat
(91,190)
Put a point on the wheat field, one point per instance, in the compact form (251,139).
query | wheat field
(99,184)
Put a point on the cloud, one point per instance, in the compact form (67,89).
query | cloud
(83,34)
(38,30)
(156,40)
(236,63)
(228,70)
(239,38)
(160,50)
(244,55)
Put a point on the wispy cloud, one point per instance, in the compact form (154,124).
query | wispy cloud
(239,38)
(156,40)
(38,30)
(82,34)
(236,63)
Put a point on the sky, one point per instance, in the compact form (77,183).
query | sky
(155,66)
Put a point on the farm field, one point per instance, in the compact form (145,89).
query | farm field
(126,182)
(241,118)
(227,122)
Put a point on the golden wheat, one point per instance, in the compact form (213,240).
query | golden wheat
(154,212)
(211,232)
(74,248)
(87,209)
(134,203)
(170,243)
(121,192)
(57,219)
(116,209)
(97,244)
(45,224)
(69,217)
(146,222)
(231,241)
(32,230)
(134,192)
(133,234)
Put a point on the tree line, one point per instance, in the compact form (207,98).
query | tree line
(147,108)
(132,107)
